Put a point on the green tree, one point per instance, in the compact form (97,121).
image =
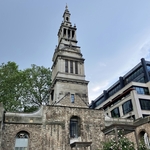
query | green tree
(24,90)
(10,86)
(36,88)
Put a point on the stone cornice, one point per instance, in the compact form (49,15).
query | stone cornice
(60,79)
(59,52)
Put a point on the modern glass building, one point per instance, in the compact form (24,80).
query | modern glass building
(128,97)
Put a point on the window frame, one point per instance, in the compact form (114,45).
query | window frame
(144,106)
(71,66)
(129,109)
(117,115)
(75,127)
(142,90)
(22,137)
(76,67)
(66,66)
(72,98)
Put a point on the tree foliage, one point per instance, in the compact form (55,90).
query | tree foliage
(24,90)
(37,85)
(123,143)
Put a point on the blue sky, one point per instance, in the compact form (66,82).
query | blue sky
(113,34)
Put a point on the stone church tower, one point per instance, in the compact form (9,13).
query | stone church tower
(69,87)
(67,123)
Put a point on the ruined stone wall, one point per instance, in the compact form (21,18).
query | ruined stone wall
(10,131)
(92,122)
(144,127)
(53,130)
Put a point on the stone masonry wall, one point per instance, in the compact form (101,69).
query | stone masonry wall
(78,102)
(145,127)
(92,122)
(53,133)
(10,131)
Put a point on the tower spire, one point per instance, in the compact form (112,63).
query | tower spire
(66,14)
(66,6)
(69,86)
(67,32)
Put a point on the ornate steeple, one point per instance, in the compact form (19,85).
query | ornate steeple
(69,86)
(67,32)
(66,15)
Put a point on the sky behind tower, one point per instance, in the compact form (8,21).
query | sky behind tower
(113,34)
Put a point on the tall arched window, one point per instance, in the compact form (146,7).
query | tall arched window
(75,127)
(143,136)
(21,142)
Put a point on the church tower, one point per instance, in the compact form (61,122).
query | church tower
(69,87)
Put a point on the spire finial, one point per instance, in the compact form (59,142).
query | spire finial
(66,6)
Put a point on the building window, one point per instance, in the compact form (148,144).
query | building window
(74,127)
(21,142)
(145,104)
(52,95)
(136,76)
(148,69)
(72,98)
(115,113)
(66,65)
(142,90)
(71,66)
(76,67)
(67,19)
(114,90)
(69,33)
(64,32)
(73,33)
(99,101)
(127,107)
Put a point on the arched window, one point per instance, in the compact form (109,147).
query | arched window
(67,19)
(75,127)
(21,142)
(143,136)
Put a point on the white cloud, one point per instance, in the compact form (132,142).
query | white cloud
(101,64)
(95,89)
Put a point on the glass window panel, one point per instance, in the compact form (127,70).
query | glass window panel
(148,69)
(127,107)
(142,90)
(66,65)
(101,100)
(74,127)
(115,113)
(71,66)
(21,143)
(72,98)
(146,91)
(76,67)
(145,104)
